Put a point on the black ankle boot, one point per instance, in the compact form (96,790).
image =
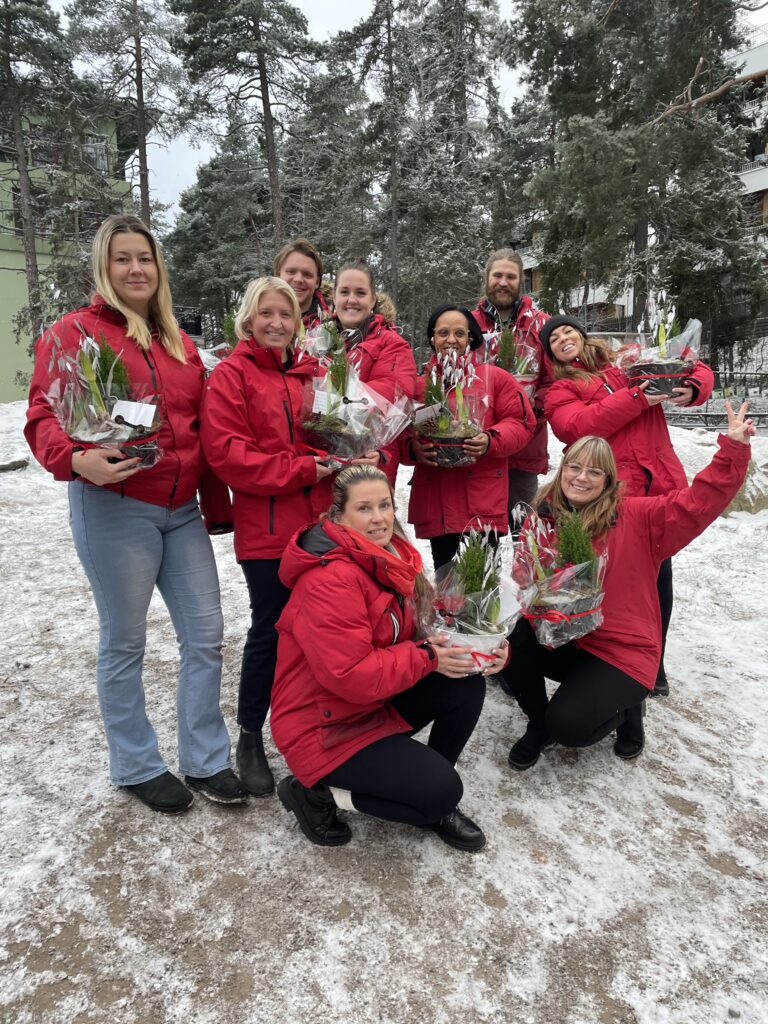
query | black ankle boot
(459,831)
(630,735)
(525,753)
(252,765)
(315,812)
(661,686)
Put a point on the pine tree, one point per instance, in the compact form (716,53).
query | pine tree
(32,59)
(249,58)
(127,43)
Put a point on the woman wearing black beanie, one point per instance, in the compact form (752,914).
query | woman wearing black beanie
(591,395)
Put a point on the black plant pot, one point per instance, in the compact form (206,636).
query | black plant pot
(344,444)
(148,451)
(449,450)
(663,376)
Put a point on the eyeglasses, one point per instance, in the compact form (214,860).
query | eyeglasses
(576,469)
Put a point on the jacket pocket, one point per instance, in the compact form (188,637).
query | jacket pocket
(338,726)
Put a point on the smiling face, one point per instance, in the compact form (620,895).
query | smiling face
(273,324)
(133,271)
(582,484)
(451,333)
(370,511)
(566,343)
(354,298)
(300,271)
(503,285)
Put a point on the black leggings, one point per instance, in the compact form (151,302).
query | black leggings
(399,778)
(268,597)
(592,700)
(664,588)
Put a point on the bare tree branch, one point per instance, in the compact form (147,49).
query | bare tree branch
(686,101)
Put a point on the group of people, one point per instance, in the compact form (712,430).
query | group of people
(332,578)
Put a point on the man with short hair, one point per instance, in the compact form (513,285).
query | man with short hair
(504,305)
(299,264)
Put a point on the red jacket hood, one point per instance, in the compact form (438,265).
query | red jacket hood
(323,543)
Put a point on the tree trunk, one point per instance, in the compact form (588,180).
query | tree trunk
(269,144)
(141,123)
(394,169)
(26,209)
(639,290)
(459,87)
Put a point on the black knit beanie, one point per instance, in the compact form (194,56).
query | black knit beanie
(559,321)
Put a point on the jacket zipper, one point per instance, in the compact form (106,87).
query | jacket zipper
(290,421)
(170,427)
(271,513)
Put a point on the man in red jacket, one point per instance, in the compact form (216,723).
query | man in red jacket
(502,306)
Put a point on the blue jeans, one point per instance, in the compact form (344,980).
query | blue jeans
(126,547)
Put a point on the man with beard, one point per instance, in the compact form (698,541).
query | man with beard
(502,307)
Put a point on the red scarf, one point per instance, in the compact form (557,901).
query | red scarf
(401,569)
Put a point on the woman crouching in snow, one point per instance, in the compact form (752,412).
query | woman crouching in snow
(606,675)
(352,686)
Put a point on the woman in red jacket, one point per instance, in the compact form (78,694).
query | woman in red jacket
(592,396)
(384,358)
(136,528)
(606,675)
(299,264)
(447,501)
(352,686)
(251,431)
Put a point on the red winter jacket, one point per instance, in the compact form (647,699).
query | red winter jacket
(528,321)
(384,360)
(636,431)
(646,531)
(448,500)
(251,431)
(182,469)
(344,650)
(318,311)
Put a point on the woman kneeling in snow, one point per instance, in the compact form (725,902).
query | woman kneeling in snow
(352,687)
(606,675)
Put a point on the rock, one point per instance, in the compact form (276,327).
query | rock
(7,467)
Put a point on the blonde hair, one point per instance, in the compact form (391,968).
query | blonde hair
(160,305)
(254,292)
(594,358)
(343,483)
(599,514)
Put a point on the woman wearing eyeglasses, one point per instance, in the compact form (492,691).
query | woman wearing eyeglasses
(606,675)
(591,395)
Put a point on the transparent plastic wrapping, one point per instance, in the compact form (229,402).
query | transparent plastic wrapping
(97,405)
(517,354)
(454,409)
(667,363)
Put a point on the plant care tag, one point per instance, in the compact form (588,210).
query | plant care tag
(320,403)
(429,412)
(135,414)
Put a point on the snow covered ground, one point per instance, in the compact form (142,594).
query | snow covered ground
(609,893)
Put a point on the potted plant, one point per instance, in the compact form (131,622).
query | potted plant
(560,575)
(98,405)
(453,409)
(473,606)
(516,355)
(667,363)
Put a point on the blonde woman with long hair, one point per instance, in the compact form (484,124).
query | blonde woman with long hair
(606,675)
(138,528)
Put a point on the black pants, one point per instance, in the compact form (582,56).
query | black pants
(664,588)
(590,703)
(398,778)
(268,597)
(445,547)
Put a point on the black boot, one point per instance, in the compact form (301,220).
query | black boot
(630,735)
(525,753)
(315,812)
(164,793)
(661,686)
(459,831)
(252,766)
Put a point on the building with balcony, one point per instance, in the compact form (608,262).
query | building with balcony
(102,154)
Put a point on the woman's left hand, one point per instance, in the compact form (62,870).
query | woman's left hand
(477,446)
(682,396)
(500,653)
(367,459)
(739,429)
